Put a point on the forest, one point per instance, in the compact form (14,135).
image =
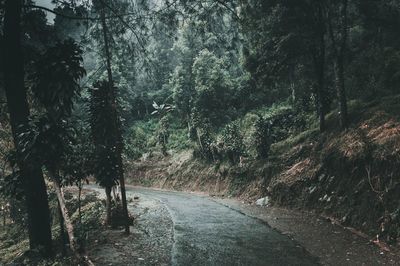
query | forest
(295,102)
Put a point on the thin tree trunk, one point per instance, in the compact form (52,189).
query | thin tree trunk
(108,205)
(79,201)
(321,92)
(340,83)
(68,224)
(118,134)
(67,220)
(124,204)
(341,91)
(319,62)
(199,140)
(339,46)
(114,193)
(62,231)
(188,125)
(34,186)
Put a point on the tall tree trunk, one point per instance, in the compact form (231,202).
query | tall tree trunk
(34,186)
(62,231)
(319,64)
(339,69)
(108,205)
(321,86)
(339,45)
(118,133)
(341,91)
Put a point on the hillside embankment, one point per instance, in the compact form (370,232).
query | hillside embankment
(352,176)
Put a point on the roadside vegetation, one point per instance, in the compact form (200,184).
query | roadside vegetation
(297,101)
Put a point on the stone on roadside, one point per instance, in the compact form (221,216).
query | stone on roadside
(263,201)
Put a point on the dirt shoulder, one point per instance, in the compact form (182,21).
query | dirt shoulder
(149,243)
(331,243)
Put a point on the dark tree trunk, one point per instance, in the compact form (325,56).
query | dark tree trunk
(321,85)
(117,127)
(321,105)
(321,69)
(34,185)
(341,91)
(339,45)
(62,231)
(319,57)
(108,205)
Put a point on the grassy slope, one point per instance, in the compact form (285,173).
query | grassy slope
(353,175)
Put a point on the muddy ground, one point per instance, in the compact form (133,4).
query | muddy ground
(149,243)
(332,243)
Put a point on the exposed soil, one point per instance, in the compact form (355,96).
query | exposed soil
(149,243)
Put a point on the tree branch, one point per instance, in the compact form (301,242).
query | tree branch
(75,17)
(225,5)
(60,14)
(126,24)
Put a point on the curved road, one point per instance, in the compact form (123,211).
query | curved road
(208,233)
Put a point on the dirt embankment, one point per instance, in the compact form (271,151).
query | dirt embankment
(352,176)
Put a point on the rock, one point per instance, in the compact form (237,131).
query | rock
(136,197)
(263,201)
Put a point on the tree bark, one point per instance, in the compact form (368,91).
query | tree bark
(341,91)
(34,186)
(108,205)
(80,201)
(339,46)
(118,134)
(321,105)
(62,231)
(68,224)
(67,220)
(320,69)
(4,216)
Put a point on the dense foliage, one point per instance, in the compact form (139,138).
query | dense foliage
(223,79)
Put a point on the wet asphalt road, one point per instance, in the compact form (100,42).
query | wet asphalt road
(208,233)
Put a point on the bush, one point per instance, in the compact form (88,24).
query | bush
(262,137)
(285,122)
(204,144)
(232,142)
(135,143)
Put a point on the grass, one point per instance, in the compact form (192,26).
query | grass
(285,145)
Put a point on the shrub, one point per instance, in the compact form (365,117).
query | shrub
(135,143)
(262,137)
(232,141)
